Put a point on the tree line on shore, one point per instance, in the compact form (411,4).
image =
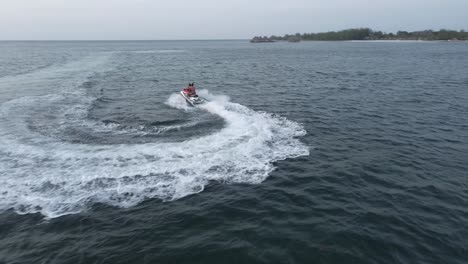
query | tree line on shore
(368,34)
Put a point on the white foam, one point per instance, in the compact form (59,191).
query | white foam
(42,173)
(177,101)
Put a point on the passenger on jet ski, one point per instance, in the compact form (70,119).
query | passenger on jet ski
(190,90)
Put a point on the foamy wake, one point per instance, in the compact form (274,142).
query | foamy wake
(42,173)
(177,101)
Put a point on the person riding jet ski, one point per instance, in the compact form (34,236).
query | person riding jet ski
(191,96)
(190,90)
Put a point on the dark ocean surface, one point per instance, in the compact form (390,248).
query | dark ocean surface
(311,152)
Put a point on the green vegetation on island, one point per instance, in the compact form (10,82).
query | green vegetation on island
(368,34)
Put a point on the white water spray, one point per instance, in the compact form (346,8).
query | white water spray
(41,173)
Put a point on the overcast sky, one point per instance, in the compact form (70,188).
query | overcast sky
(218,19)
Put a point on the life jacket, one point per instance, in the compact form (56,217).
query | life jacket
(190,90)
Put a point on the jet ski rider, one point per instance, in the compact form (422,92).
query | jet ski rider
(190,90)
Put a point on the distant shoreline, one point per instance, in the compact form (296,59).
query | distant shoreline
(367,34)
(370,40)
(373,40)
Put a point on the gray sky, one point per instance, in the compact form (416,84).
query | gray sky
(218,19)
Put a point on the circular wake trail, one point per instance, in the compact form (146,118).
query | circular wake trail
(43,173)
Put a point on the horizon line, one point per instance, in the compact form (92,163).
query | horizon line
(64,40)
(221,39)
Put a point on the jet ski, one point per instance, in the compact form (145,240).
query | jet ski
(193,100)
